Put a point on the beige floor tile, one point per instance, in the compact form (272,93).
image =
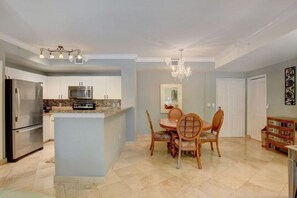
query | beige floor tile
(215,189)
(244,170)
(250,190)
(154,191)
(114,190)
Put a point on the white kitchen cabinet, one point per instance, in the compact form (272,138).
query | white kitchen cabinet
(98,87)
(113,87)
(48,127)
(107,87)
(52,127)
(58,86)
(53,88)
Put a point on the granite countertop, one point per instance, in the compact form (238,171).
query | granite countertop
(106,110)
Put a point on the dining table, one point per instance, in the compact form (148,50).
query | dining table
(171,124)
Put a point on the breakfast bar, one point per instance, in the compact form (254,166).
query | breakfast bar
(88,142)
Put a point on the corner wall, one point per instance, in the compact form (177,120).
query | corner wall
(276,89)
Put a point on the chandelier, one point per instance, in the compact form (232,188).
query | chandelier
(73,54)
(179,70)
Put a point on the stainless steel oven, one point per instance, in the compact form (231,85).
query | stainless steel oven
(80,92)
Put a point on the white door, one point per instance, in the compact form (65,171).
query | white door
(230,96)
(256,106)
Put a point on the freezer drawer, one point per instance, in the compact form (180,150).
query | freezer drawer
(26,140)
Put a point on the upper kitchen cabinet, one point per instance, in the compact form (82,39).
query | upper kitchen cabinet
(113,87)
(104,87)
(107,87)
(54,88)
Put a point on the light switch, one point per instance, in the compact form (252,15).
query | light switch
(213,105)
(208,105)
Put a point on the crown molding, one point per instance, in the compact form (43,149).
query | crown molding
(35,50)
(160,60)
(18,43)
(112,56)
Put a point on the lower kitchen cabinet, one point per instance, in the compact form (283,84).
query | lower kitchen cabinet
(48,127)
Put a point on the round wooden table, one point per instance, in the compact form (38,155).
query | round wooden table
(170,125)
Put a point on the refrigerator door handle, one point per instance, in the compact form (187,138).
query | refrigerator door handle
(29,128)
(18,109)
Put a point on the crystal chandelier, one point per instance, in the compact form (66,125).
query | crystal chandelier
(179,70)
(73,54)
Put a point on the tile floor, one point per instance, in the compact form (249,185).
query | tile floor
(244,170)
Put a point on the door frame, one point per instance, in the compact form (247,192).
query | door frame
(248,98)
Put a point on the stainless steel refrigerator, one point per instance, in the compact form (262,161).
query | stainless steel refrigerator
(23,118)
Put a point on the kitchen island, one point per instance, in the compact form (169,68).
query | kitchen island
(87,142)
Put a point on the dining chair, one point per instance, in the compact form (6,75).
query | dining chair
(161,136)
(213,135)
(175,113)
(189,128)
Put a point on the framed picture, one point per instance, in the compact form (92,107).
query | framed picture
(171,97)
(290,87)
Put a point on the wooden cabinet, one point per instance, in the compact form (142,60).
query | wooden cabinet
(281,132)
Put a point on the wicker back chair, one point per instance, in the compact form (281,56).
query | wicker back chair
(175,113)
(189,128)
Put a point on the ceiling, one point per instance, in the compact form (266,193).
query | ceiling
(230,33)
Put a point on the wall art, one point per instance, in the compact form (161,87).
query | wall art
(290,87)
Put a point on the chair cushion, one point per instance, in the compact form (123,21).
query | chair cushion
(163,135)
(207,136)
(186,144)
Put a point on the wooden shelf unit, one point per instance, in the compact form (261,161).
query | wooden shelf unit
(281,132)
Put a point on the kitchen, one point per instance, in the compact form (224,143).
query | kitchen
(128,45)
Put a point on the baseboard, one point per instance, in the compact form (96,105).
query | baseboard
(62,180)
(3,161)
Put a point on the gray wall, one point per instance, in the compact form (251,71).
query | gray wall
(276,89)
(198,90)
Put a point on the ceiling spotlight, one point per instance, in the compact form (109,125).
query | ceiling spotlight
(70,56)
(62,52)
(41,55)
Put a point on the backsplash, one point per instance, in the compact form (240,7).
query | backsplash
(69,102)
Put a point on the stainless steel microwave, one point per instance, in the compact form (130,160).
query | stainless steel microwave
(80,92)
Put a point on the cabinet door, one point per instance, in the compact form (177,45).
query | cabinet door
(98,87)
(53,88)
(113,87)
(86,80)
(46,128)
(52,128)
(65,82)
